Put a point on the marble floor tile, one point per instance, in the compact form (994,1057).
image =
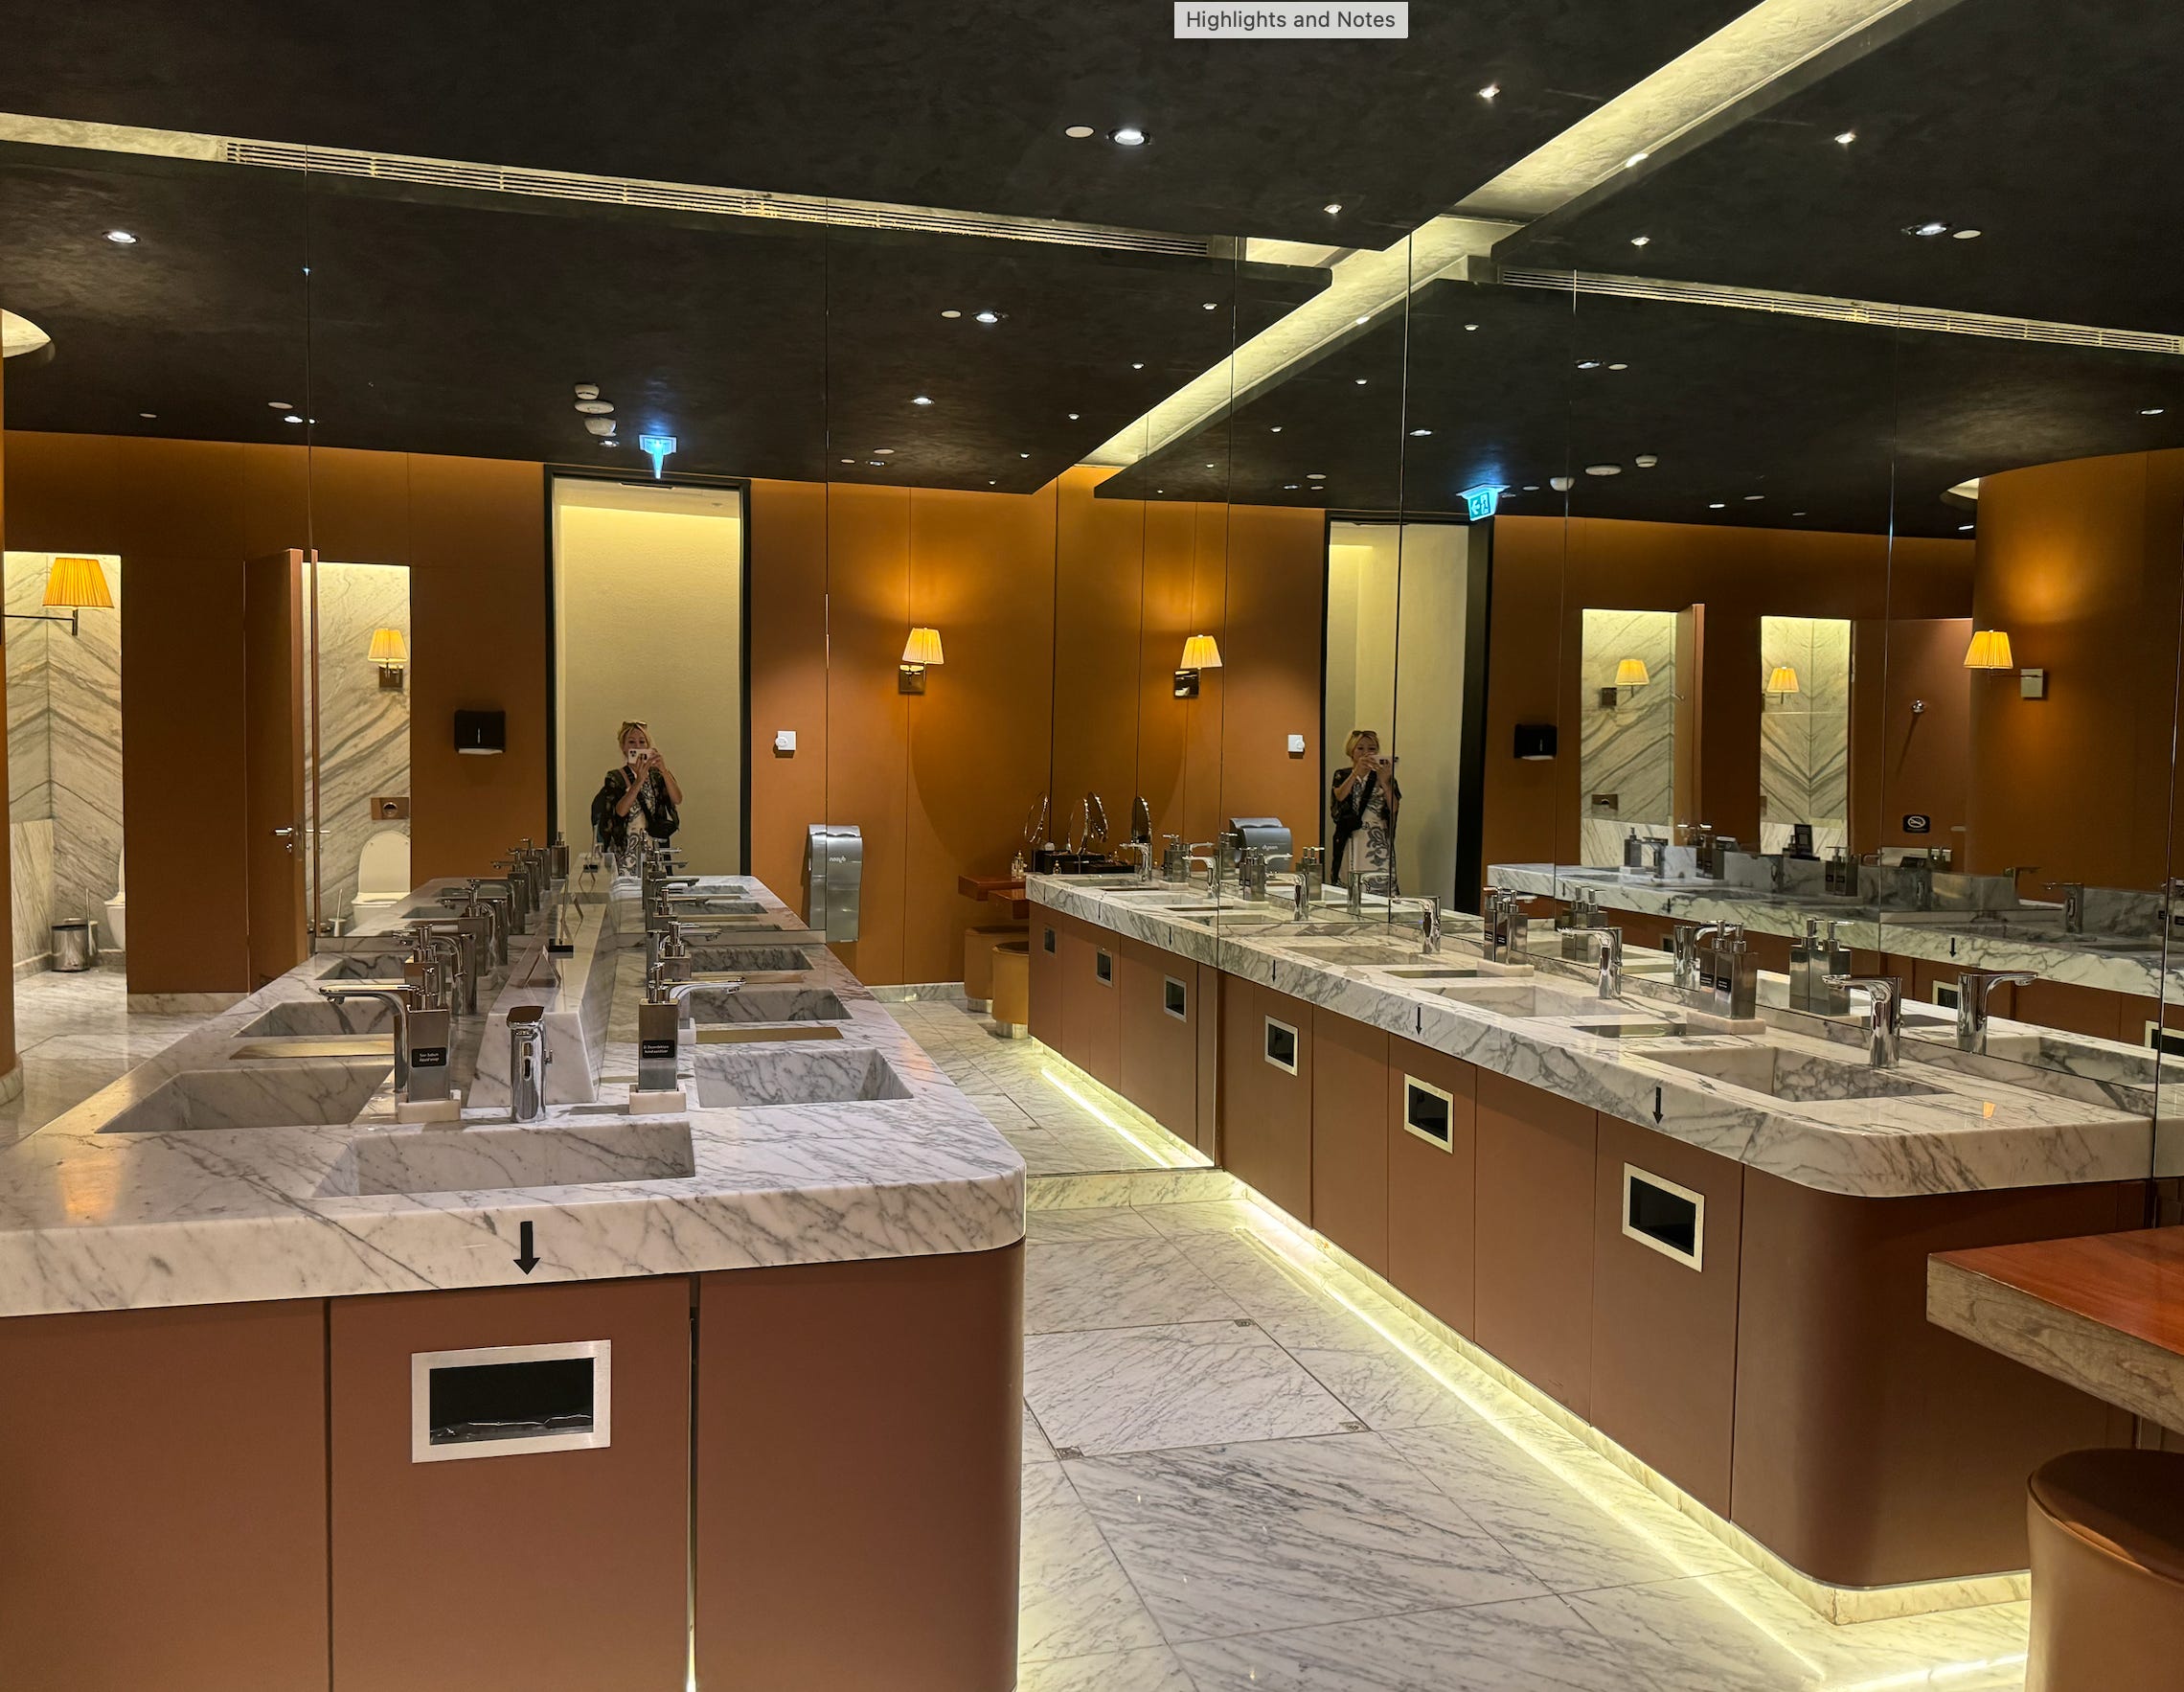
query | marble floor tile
(1384,1386)
(1158,1670)
(1075,1598)
(1265,1277)
(1136,1389)
(1037,1447)
(1741,1633)
(1236,1538)
(1215,1215)
(1124,1283)
(1574,1519)
(1525,1645)
(1119,1221)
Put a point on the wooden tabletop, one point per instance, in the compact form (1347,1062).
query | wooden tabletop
(2101,1312)
(1005,891)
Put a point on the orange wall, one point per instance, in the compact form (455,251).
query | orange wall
(2078,563)
(184,515)
(1548,572)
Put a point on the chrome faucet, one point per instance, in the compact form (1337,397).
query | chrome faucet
(1608,947)
(1886,993)
(1251,873)
(2073,905)
(1311,880)
(403,999)
(1429,918)
(527,1061)
(1141,853)
(1974,988)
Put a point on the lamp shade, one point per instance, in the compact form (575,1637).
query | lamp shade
(1631,672)
(924,647)
(78,583)
(389,651)
(1782,681)
(1201,652)
(1989,650)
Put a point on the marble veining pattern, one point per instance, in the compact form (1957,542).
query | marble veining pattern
(1974,1132)
(1627,749)
(362,731)
(1805,737)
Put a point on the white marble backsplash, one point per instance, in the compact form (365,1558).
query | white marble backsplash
(1627,749)
(1805,737)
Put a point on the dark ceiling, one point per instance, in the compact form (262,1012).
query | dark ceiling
(461,323)
(959,105)
(2051,129)
(1831,426)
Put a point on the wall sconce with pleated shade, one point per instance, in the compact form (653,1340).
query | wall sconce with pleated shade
(1781,680)
(391,653)
(1201,652)
(922,650)
(1628,672)
(75,585)
(1989,650)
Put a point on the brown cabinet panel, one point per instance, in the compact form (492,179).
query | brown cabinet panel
(1873,1447)
(859,1428)
(163,1499)
(1535,1251)
(1089,1015)
(1048,1019)
(1156,1060)
(1349,1135)
(560,1570)
(1266,1112)
(1432,1191)
(1664,1338)
(1209,1033)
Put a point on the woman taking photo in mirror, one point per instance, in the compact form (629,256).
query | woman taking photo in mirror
(640,795)
(1366,800)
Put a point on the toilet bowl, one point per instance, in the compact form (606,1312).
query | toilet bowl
(382,875)
(116,933)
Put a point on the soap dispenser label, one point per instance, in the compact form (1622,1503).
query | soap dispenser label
(649,1049)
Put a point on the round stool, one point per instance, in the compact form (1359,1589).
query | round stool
(2107,1560)
(1013,988)
(978,946)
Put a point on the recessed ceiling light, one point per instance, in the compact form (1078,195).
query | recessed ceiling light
(121,237)
(848,461)
(608,441)
(1799,513)
(1212,305)
(951,315)
(1718,504)
(1965,234)
(1418,432)
(2151,410)
(292,417)
(1208,465)
(1637,158)
(1846,137)
(280,404)
(1931,227)
(1750,497)
(1023,455)
(1532,487)
(883,452)
(1128,136)
(1365,317)
(1603,469)
(147,414)
(1073,417)
(993,481)
(1490,91)
(1315,475)
(1275,430)
(1081,131)
(1619,367)
(595,407)
(1331,206)
(1470,325)
(877,464)
(1289,487)
(1361,380)
(1138,366)
(1646,461)
(1964,527)
(989,316)
(1588,364)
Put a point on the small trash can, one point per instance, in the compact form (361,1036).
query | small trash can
(74,944)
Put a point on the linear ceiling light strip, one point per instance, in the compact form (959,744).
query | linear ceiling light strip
(1874,312)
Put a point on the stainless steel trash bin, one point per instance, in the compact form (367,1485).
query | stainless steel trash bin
(74,944)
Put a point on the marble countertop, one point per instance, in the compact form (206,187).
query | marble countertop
(1974,1124)
(93,1217)
(2121,965)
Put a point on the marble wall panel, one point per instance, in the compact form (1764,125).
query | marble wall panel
(1627,749)
(30,755)
(1805,737)
(363,732)
(30,860)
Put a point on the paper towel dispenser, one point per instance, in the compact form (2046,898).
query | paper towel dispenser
(833,874)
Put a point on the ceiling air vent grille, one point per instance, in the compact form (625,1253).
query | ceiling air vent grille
(1866,312)
(676,197)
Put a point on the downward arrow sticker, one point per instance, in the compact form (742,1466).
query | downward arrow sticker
(526,1259)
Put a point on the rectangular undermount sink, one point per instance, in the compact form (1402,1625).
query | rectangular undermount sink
(1422,973)
(707,958)
(1525,997)
(705,905)
(1796,1077)
(288,1096)
(766,1004)
(750,1076)
(501,1158)
(364,967)
(1344,951)
(317,1015)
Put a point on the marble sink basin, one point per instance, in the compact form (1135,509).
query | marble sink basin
(495,1159)
(358,1015)
(709,959)
(730,1077)
(1525,997)
(1796,1077)
(364,967)
(323,1095)
(1348,951)
(766,1004)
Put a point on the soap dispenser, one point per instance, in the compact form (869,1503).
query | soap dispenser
(659,1045)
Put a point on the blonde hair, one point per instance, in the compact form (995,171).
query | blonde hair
(623,733)
(1350,746)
